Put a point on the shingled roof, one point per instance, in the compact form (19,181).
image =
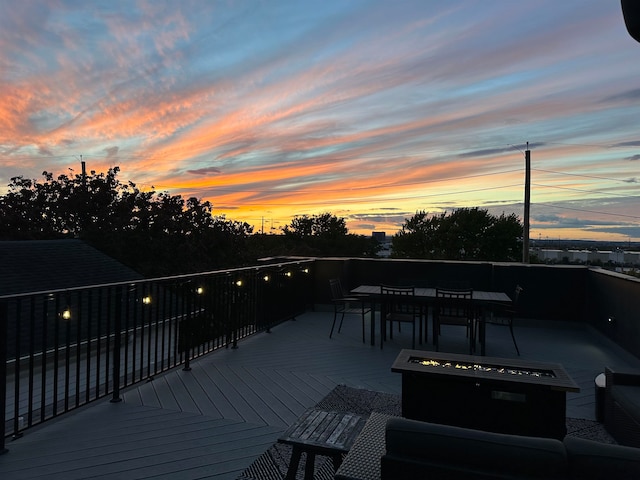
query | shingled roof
(40,265)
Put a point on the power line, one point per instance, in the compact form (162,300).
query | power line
(635,217)
(585,191)
(595,145)
(579,175)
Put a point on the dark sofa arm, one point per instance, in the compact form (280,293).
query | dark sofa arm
(622,406)
(622,377)
(590,460)
(444,451)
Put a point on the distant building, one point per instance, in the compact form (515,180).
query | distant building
(385,245)
(581,256)
(632,258)
(549,256)
(615,257)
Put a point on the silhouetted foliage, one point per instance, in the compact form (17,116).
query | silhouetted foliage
(325,234)
(153,232)
(156,233)
(465,234)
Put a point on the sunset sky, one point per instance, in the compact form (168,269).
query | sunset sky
(369,109)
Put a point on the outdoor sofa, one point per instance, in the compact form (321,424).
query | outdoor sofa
(622,406)
(409,449)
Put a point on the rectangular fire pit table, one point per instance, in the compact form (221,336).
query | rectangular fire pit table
(320,432)
(492,394)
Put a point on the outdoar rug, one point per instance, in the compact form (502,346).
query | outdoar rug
(272,465)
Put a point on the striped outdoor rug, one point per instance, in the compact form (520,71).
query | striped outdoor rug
(272,465)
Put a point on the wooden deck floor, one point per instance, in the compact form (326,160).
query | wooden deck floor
(213,421)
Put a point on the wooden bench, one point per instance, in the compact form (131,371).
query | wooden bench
(321,432)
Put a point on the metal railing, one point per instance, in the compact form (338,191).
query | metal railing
(62,349)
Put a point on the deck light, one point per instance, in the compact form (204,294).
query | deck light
(266,278)
(146,300)
(238,283)
(199,290)
(66,314)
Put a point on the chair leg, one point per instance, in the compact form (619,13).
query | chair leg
(513,336)
(435,333)
(341,320)
(472,337)
(414,335)
(425,323)
(335,316)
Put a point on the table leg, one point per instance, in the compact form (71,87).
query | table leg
(373,322)
(482,333)
(337,461)
(309,465)
(293,464)
(383,325)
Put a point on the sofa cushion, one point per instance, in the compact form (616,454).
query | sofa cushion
(591,460)
(507,456)
(628,397)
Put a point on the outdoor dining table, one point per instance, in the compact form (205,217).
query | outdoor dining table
(481,299)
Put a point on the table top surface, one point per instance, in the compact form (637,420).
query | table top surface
(430,293)
(324,430)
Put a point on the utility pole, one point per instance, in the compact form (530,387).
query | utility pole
(84,214)
(527,205)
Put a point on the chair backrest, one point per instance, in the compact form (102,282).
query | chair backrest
(512,310)
(397,291)
(398,299)
(336,289)
(454,305)
(516,295)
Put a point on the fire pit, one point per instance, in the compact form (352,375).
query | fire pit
(492,394)
(483,367)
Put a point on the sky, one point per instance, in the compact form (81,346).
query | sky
(371,110)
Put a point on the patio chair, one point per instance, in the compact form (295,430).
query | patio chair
(346,304)
(398,304)
(504,314)
(454,307)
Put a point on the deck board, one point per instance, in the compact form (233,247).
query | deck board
(213,421)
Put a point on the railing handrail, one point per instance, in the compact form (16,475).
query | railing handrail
(70,346)
(156,279)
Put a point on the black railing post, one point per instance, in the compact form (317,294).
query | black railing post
(235,306)
(117,345)
(226,295)
(3,371)
(189,330)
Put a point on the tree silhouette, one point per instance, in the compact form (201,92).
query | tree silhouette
(326,234)
(464,234)
(153,232)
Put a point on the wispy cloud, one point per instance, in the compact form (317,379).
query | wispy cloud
(372,110)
